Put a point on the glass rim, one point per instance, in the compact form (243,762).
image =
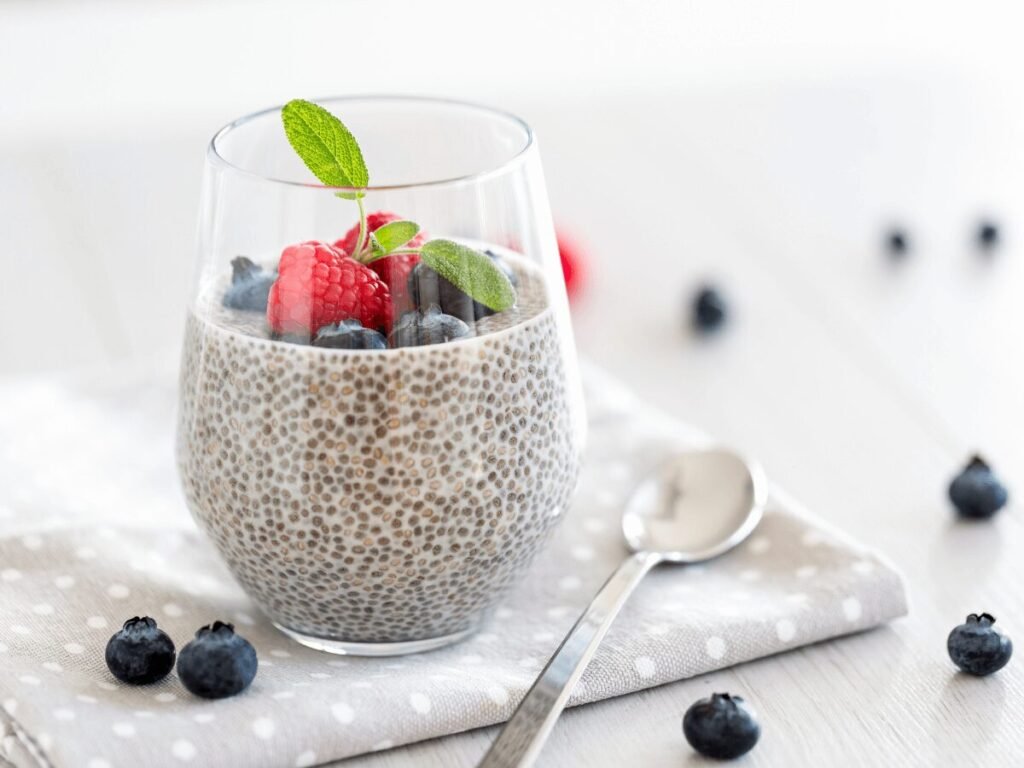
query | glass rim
(215,157)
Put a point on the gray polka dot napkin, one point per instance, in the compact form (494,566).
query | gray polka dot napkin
(93,530)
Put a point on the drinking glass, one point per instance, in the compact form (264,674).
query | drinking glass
(380,501)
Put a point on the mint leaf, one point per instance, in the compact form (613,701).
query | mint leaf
(325,145)
(392,235)
(471,272)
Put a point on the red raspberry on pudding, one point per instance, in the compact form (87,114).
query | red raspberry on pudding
(393,270)
(318,285)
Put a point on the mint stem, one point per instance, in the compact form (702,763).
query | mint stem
(363,235)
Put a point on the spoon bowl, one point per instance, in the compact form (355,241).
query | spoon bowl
(696,506)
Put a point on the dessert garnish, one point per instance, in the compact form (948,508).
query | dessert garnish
(976,492)
(394,270)
(427,288)
(217,663)
(318,285)
(721,726)
(977,647)
(140,653)
(366,275)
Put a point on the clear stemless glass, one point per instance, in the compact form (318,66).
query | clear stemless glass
(378,501)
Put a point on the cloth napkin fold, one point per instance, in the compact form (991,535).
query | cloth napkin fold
(93,531)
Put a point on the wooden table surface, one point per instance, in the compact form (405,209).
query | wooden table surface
(861,384)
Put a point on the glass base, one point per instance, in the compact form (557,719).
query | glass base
(346,648)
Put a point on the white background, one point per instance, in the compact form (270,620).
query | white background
(762,145)
(105,108)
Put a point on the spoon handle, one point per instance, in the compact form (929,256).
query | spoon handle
(520,741)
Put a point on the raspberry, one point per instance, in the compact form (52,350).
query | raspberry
(318,285)
(393,270)
(375,221)
(572,265)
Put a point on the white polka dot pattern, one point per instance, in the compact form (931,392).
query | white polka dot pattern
(785,630)
(124,730)
(498,695)
(184,750)
(645,666)
(852,609)
(715,647)
(263,728)
(419,702)
(118,591)
(343,713)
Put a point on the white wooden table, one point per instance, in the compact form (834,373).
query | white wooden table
(862,385)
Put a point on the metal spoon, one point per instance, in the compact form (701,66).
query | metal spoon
(699,505)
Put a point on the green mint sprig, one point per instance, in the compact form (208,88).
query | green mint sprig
(332,154)
(390,237)
(326,146)
(471,271)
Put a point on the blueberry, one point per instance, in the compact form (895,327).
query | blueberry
(415,328)
(140,653)
(709,310)
(217,663)
(349,334)
(292,338)
(427,288)
(250,285)
(976,492)
(977,647)
(722,727)
(988,235)
(896,242)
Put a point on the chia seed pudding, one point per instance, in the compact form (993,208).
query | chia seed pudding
(378,496)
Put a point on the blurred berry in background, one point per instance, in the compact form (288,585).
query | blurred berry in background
(572,265)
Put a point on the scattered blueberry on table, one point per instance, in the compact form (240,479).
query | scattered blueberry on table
(976,492)
(140,653)
(217,663)
(977,647)
(721,726)
(250,286)
(349,334)
(987,235)
(897,243)
(709,309)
